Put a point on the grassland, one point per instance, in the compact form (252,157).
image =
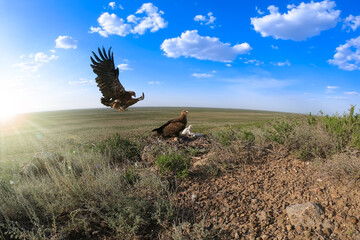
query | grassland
(99,174)
(62,130)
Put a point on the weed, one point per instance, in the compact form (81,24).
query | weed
(194,151)
(226,137)
(176,164)
(101,201)
(119,149)
(196,231)
(279,131)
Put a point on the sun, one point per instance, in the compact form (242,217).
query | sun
(7,108)
(6,115)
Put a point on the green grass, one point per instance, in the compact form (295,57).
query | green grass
(92,174)
(60,131)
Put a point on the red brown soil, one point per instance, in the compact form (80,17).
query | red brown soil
(249,201)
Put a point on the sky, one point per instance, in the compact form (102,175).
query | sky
(289,56)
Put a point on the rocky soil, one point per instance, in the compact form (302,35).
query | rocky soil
(259,201)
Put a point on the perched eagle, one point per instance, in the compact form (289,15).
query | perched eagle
(173,127)
(107,80)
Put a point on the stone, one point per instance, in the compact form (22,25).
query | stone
(351,219)
(327,227)
(262,215)
(264,237)
(307,215)
(288,227)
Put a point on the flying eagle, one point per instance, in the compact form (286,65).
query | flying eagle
(107,80)
(173,127)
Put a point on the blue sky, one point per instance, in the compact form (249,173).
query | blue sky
(292,56)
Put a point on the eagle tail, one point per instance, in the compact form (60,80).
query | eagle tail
(158,130)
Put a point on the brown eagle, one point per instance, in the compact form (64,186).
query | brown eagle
(107,80)
(173,127)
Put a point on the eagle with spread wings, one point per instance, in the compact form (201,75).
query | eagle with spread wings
(114,94)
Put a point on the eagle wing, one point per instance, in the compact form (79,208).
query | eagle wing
(171,127)
(107,75)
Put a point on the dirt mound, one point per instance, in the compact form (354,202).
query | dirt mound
(250,201)
(255,201)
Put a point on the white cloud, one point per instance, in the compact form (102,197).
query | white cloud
(347,56)
(281,64)
(42,57)
(330,89)
(259,82)
(351,93)
(351,22)
(33,62)
(199,18)
(112,5)
(82,82)
(274,47)
(228,65)
(336,97)
(124,67)
(191,44)
(202,75)
(258,10)
(154,82)
(111,24)
(253,61)
(152,20)
(300,22)
(207,20)
(66,42)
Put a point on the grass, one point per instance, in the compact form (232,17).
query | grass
(83,196)
(120,181)
(61,131)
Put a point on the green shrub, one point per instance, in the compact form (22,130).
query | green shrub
(176,164)
(119,149)
(346,128)
(279,131)
(226,137)
(104,200)
(194,151)
(196,231)
(247,136)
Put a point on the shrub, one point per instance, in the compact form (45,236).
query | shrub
(119,149)
(279,131)
(346,128)
(196,231)
(342,166)
(176,164)
(225,137)
(104,200)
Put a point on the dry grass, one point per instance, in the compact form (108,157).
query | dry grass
(342,166)
(61,130)
(101,186)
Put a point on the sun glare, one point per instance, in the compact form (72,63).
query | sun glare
(6,115)
(7,110)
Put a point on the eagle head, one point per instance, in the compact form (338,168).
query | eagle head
(184,112)
(132,93)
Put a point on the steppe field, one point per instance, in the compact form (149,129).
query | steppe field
(101,174)
(59,131)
